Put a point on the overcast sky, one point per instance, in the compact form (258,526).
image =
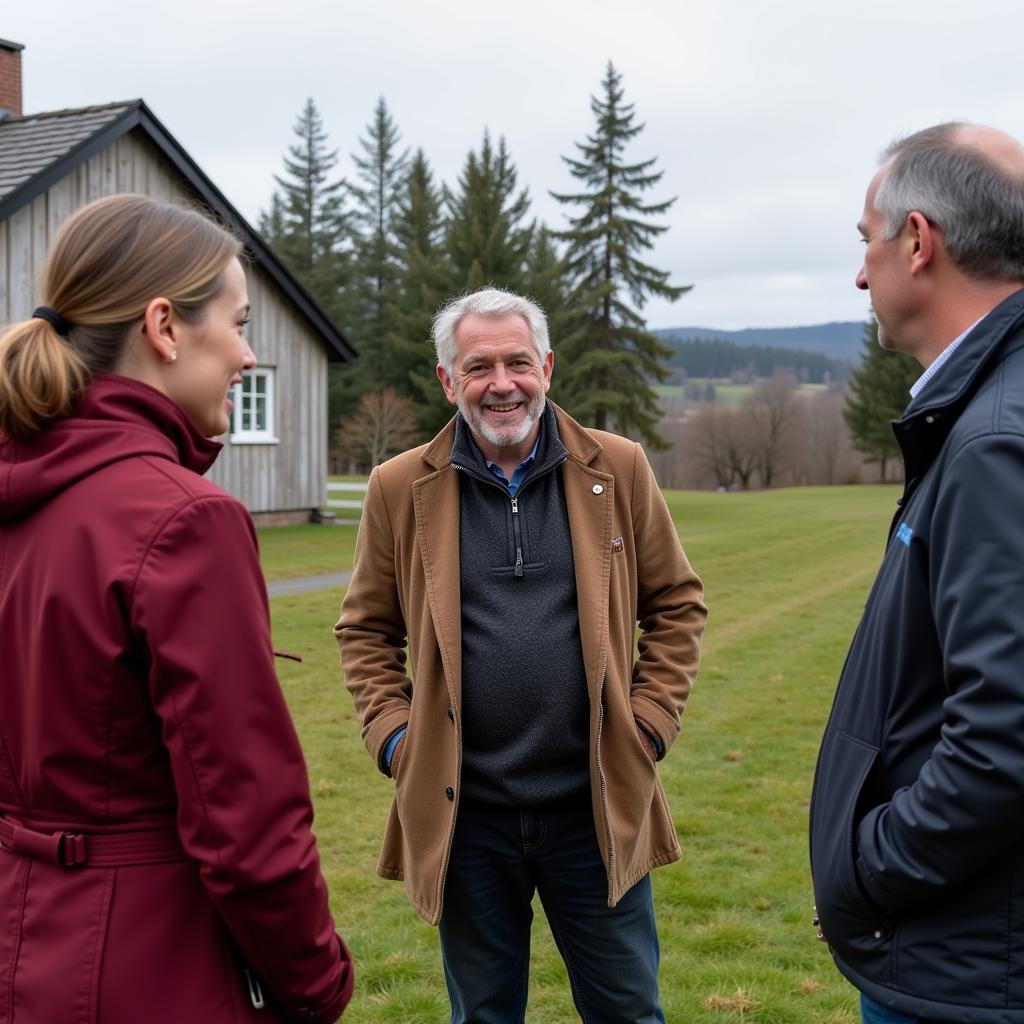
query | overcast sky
(766,118)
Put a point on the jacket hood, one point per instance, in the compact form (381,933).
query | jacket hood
(116,418)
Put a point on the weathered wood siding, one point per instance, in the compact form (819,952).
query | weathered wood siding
(266,477)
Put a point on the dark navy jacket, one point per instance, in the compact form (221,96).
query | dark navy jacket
(917,817)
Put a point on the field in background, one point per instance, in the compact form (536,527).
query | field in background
(726,393)
(787,573)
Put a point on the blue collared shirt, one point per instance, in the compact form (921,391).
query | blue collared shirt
(521,470)
(941,360)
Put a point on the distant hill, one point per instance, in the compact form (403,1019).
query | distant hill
(840,340)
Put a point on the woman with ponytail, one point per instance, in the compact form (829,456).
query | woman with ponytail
(156,858)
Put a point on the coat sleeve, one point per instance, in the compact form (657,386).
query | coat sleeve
(670,610)
(371,631)
(244,810)
(966,805)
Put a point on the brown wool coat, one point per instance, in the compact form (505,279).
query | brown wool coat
(405,588)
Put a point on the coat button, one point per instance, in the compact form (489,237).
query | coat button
(450,793)
(451,714)
(598,488)
(877,934)
(929,419)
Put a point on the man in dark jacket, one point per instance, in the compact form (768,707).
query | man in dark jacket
(917,817)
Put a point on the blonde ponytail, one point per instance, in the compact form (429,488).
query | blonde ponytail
(40,377)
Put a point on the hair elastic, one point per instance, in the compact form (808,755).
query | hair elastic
(52,317)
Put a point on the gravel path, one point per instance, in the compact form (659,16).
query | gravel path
(307,584)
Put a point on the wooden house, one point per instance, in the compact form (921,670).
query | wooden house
(275,457)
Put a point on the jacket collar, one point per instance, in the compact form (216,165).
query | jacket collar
(961,375)
(924,427)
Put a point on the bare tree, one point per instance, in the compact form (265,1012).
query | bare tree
(382,425)
(773,409)
(827,440)
(708,439)
(740,440)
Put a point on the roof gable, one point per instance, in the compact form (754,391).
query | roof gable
(38,150)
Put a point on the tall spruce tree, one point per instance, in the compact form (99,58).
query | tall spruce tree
(423,286)
(879,393)
(308,227)
(610,372)
(487,242)
(381,170)
(307,224)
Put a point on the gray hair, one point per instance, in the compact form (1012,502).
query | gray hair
(488,302)
(977,204)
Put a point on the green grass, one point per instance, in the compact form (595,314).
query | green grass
(786,574)
(306,550)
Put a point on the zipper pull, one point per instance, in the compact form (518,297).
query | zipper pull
(519,546)
(255,990)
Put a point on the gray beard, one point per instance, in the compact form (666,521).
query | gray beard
(505,438)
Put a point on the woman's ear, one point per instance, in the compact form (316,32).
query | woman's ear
(159,328)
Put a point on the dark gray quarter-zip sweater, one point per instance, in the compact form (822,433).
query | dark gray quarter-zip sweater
(525,708)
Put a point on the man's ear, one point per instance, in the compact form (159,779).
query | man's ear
(922,239)
(159,327)
(549,365)
(446,382)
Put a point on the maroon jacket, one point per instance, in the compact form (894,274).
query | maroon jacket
(139,708)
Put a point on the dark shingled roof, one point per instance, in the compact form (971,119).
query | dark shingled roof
(28,145)
(39,150)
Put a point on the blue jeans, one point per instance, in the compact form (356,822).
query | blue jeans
(500,856)
(874,1013)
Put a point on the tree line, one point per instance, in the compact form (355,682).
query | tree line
(718,357)
(383,249)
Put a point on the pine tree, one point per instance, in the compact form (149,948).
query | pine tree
(487,242)
(307,225)
(609,375)
(879,393)
(423,286)
(381,170)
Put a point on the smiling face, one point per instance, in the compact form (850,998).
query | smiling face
(211,355)
(498,383)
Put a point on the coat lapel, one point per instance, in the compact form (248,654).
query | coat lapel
(436,500)
(590,522)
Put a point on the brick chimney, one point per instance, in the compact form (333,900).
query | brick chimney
(10,79)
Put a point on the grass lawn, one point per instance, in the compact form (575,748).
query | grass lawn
(726,393)
(787,573)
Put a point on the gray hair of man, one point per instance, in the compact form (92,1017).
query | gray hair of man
(976,204)
(494,302)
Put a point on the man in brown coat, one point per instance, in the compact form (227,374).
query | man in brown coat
(515,554)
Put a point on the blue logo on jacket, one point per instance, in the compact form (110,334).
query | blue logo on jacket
(904,533)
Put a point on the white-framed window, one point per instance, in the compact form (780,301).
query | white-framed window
(252,415)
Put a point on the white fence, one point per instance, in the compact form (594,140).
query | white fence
(335,498)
